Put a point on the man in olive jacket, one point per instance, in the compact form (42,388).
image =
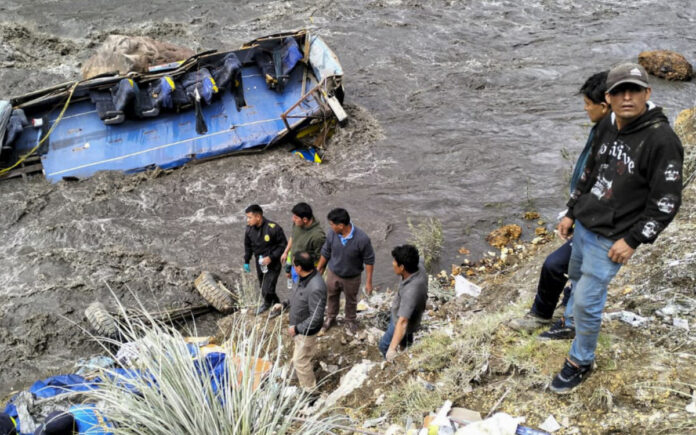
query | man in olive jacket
(306,317)
(307,234)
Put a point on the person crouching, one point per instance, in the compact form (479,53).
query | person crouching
(409,302)
(307,303)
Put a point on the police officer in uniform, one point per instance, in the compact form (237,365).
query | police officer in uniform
(264,242)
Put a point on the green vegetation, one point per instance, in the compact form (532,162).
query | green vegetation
(427,237)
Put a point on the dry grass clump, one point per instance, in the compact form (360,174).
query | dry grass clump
(175,391)
(413,398)
(427,237)
(247,291)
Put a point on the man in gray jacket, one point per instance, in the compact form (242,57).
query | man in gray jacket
(306,317)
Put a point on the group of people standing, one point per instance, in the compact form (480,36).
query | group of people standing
(625,189)
(322,266)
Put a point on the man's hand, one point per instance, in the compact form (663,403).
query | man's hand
(391,354)
(368,288)
(266,261)
(565,228)
(247,269)
(291,331)
(620,252)
(283,258)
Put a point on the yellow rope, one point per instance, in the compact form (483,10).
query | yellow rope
(55,123)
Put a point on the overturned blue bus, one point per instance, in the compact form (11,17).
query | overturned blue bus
(213,104)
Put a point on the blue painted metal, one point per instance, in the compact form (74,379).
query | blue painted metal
(82,144)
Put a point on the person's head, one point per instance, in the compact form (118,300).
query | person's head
(303,263)
(254,215)
(593,91)
(627,92)
(338,219)
(405,259)
(302,214)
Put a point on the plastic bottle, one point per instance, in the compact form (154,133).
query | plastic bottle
(264,267)
(290,283)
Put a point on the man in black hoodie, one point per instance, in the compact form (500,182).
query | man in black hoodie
(628,193)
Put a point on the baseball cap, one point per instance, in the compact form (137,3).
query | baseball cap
(627,73)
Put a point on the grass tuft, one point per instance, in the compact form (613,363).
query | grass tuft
(176,393)
(427,237)
(412,399)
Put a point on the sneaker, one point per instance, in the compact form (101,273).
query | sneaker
(559,331)
(570,377)
(529,323)
(262,309)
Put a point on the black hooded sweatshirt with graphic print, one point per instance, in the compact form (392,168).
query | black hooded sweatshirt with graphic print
(631,186)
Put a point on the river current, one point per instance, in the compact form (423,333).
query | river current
(459,111)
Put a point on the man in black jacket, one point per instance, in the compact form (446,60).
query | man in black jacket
(629,192)
(306,316)
(265,241)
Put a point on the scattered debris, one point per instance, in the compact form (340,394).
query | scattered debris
(500,423)
(632,319)
(680,323)
(504,235)
(350,382)
(531,215)
(464,251)
(464,416)
(463,286)
(691,407)
(550,425)
(375,421)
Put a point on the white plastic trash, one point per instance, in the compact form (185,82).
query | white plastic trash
(463,286)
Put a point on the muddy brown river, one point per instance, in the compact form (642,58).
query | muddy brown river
(459,111)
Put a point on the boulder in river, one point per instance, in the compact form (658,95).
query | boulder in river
(666,64)
(132,53)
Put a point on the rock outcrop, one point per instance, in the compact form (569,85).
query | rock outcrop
(132,53)
(666,64)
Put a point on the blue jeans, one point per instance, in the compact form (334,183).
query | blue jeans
(590,271)
(387,338)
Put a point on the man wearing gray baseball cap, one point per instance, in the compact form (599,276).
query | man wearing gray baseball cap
(628,193)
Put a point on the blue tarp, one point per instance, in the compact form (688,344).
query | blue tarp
(88,418)
(60,384)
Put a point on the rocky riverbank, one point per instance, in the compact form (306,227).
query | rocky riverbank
(644,382)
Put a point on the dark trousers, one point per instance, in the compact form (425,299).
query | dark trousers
(268,282)
(350,288)
(552,281)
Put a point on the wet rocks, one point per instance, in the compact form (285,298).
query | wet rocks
(666,64)
(132,53)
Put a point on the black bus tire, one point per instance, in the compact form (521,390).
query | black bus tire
(213,293)
(101,321)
